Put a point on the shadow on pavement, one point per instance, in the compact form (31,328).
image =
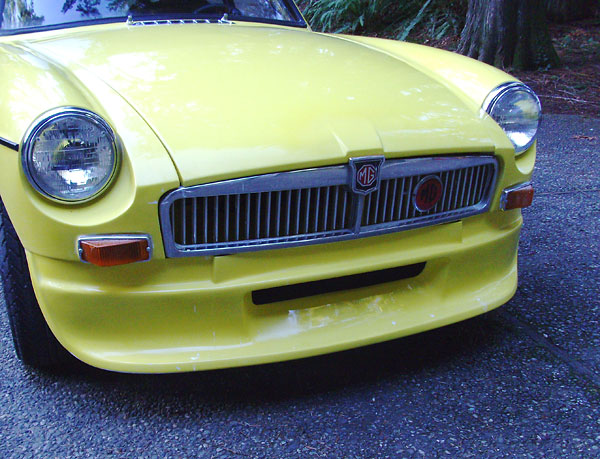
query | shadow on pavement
(342,371)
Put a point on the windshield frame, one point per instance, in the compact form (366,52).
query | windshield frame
(212,18)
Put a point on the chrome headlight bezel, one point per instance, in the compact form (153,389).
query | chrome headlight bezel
(42,123)
(499,94)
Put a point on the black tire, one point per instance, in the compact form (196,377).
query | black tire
(34,343)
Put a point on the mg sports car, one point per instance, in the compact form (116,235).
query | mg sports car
(189,185)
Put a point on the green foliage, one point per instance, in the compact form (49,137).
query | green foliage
(443,21)
(413,22)
(346,16)
(87,8)
(391,18)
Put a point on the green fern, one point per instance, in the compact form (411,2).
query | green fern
(395,18)
(414,22)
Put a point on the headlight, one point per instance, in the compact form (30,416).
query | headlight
(517,110)
(70,155)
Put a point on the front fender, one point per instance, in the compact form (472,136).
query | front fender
(34,84)
(468,78)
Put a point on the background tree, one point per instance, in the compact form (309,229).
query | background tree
(18,13)
(570,10)
(508,33)
(2,4)
(87,8)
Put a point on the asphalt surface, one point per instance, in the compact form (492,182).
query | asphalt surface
(523,380)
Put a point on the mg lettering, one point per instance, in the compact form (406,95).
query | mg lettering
(427,193)
(366,175)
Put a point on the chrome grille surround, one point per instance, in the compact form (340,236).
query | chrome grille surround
(278,210)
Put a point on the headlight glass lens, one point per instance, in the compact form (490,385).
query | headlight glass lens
(517,110)
(70,155)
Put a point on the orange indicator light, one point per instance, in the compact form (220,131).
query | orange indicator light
(114,250)
(517,198)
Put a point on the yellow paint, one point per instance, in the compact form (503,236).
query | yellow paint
(156,316)
(198,103)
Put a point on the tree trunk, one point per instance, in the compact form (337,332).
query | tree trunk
(2,4)
(508,33)
(570,10)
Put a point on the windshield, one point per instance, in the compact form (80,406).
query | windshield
(25,15)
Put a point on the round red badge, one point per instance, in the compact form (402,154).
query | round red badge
(427,193)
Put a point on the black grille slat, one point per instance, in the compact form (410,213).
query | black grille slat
(407,199)
(344,209)
(457,191)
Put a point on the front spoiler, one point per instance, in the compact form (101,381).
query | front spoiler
(196,313)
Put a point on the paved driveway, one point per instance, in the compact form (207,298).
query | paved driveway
(523,380)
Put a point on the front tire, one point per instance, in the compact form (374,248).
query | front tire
(34,343)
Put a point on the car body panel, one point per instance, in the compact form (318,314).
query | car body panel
(146,171)
(197,103)
(469,79)
(191,314)
(350,100)
(47,76)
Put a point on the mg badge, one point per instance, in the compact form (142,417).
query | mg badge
(365,173)
(427,193)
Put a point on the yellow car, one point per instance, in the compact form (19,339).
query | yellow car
(189,185)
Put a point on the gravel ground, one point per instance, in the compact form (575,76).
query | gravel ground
(523,380)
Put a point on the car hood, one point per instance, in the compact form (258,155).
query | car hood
(231,100)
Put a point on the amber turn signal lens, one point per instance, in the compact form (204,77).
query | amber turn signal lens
(517,198)
(114,251)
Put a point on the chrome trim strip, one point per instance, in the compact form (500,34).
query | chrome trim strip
(223,20)
(105,237)
(506,191)
(8,144)
(132,22)
(337,176)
